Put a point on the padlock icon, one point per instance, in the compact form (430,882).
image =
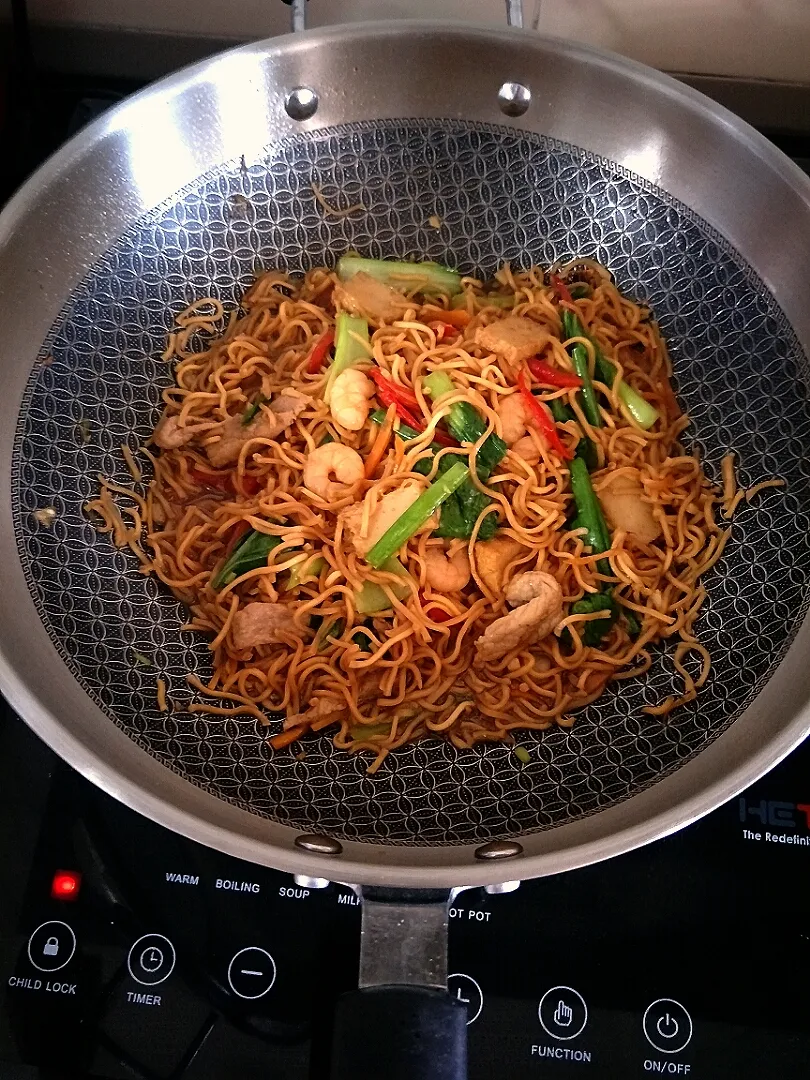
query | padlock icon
(51,947)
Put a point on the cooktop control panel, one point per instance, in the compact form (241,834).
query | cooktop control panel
(126,950)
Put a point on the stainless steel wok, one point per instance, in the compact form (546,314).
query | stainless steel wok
(527,149)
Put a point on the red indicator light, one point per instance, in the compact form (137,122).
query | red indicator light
(66,885)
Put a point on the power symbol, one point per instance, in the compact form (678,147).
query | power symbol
(667,1026)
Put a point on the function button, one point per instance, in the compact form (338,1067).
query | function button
(563,1013)
(464,989)
(151,959)
(251,973)
(667,1026)
(51,946)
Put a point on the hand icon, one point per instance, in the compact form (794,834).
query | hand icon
(563,1014)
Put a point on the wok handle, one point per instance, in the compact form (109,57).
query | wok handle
(399,1033)
(401,1024)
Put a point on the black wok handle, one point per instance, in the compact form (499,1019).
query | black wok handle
(399,1033)
(401,1024)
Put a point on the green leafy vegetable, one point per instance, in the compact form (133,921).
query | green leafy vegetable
(251,410)
(586,448)
(466,425)
(460,512)
(333,630)
(141,659)
(594,630)
(249,554)
(362,640)
(425,277)
(351,339)
(633,625)
(417,514)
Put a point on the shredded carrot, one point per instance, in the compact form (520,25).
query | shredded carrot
(284,738)
(457,317)
(381,442)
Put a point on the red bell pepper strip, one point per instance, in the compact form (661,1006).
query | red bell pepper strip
(549,376)
(561,289)
(543,419)
(389,392)
(318,355)
(403,399)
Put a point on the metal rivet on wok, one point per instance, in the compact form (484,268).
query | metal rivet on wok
(301,103)
(499,849)
(514,98)
(320,845)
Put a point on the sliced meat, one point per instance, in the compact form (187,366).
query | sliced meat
(622,499)
(491,559)
(524,626)
(261,624)
(528,586)
(233,434)
(514,338)
(169,435)
(364,296)
(323,709)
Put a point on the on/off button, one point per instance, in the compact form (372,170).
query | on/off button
(667,1026)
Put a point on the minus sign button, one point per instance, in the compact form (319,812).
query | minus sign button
(247,971)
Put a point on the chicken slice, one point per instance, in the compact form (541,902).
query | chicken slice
(170,435)
(492,558)
(622,497)
(233,434)
(261,624)
(364,296)
(525,625)
(525,587)
(514,338)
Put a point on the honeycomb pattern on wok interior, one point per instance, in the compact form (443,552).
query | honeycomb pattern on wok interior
(500,195)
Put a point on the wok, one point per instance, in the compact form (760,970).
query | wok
(528,149)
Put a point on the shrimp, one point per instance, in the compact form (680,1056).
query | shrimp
(332,459)
(349,400)
(447,574)
(514,418)
(526,449)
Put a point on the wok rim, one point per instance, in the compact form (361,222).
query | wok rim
(398,868)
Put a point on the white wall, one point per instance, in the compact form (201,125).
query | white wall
(767,39)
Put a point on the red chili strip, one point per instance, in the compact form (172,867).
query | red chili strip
(542,417)
(549,376)
(318,356)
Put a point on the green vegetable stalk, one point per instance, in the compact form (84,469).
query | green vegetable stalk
(372,598)
(417,514)
(633,404)
(579,360)
(426,277)
(348,349)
